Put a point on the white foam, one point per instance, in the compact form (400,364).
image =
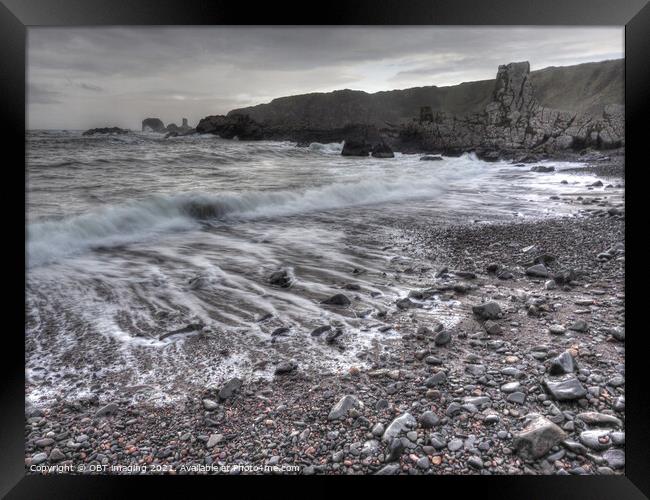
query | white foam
(329,148)
(133,221)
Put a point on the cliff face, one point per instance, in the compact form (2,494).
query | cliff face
(343,107)
(584,88)
(547,110)
(515,119)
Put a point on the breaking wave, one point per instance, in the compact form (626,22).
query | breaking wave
(115,225)
(330,148)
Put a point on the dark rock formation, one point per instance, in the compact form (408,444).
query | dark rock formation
(514,121)
(231,126)
(356,148)
(106,130)
(153,125)
(174,130)
(543,168)
(382,150)
(545,112)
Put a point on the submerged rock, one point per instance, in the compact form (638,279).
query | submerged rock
(282,330)
(316,332)
(431,158)
(337,300)
(332,335)
(282,278)
(191,328)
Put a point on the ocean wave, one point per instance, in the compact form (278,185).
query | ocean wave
(330,148)
(116,225)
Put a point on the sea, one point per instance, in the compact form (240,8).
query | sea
(148,259)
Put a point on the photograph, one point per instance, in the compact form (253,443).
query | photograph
(325,250)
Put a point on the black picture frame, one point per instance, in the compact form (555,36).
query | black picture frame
(17,15)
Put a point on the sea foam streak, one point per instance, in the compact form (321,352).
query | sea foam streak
(116,225)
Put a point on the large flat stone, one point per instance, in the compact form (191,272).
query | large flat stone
(538,437)
(340,409)
(565,388)
(403,423)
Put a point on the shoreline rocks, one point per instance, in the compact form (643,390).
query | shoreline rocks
(341,408)
(107,131)
(153,125)
(464,401)
(538,437)
(356,148)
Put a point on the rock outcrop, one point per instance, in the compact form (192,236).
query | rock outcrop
(174,130)
(382,150)
(515,121)
(231,126)
(356,148)
(106,130)
(184,129)
(517,113)
(153,125)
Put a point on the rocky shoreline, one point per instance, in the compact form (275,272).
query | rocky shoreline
(531,381)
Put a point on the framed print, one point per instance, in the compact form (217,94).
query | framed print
(382,241)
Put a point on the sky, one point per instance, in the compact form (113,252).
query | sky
(79,78)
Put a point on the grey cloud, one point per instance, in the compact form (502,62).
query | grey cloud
(91,87)
(39,95)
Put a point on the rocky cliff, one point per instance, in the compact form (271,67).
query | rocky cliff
(549,110)
(514,119)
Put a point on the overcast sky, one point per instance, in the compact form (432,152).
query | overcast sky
(91,77)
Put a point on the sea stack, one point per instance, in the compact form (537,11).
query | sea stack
(153,125)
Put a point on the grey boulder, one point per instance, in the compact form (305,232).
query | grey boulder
(340,409)
(538,437)
(538,271)
(403,423)
(491,310)
(565,388)
(230,388)
(562,364)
